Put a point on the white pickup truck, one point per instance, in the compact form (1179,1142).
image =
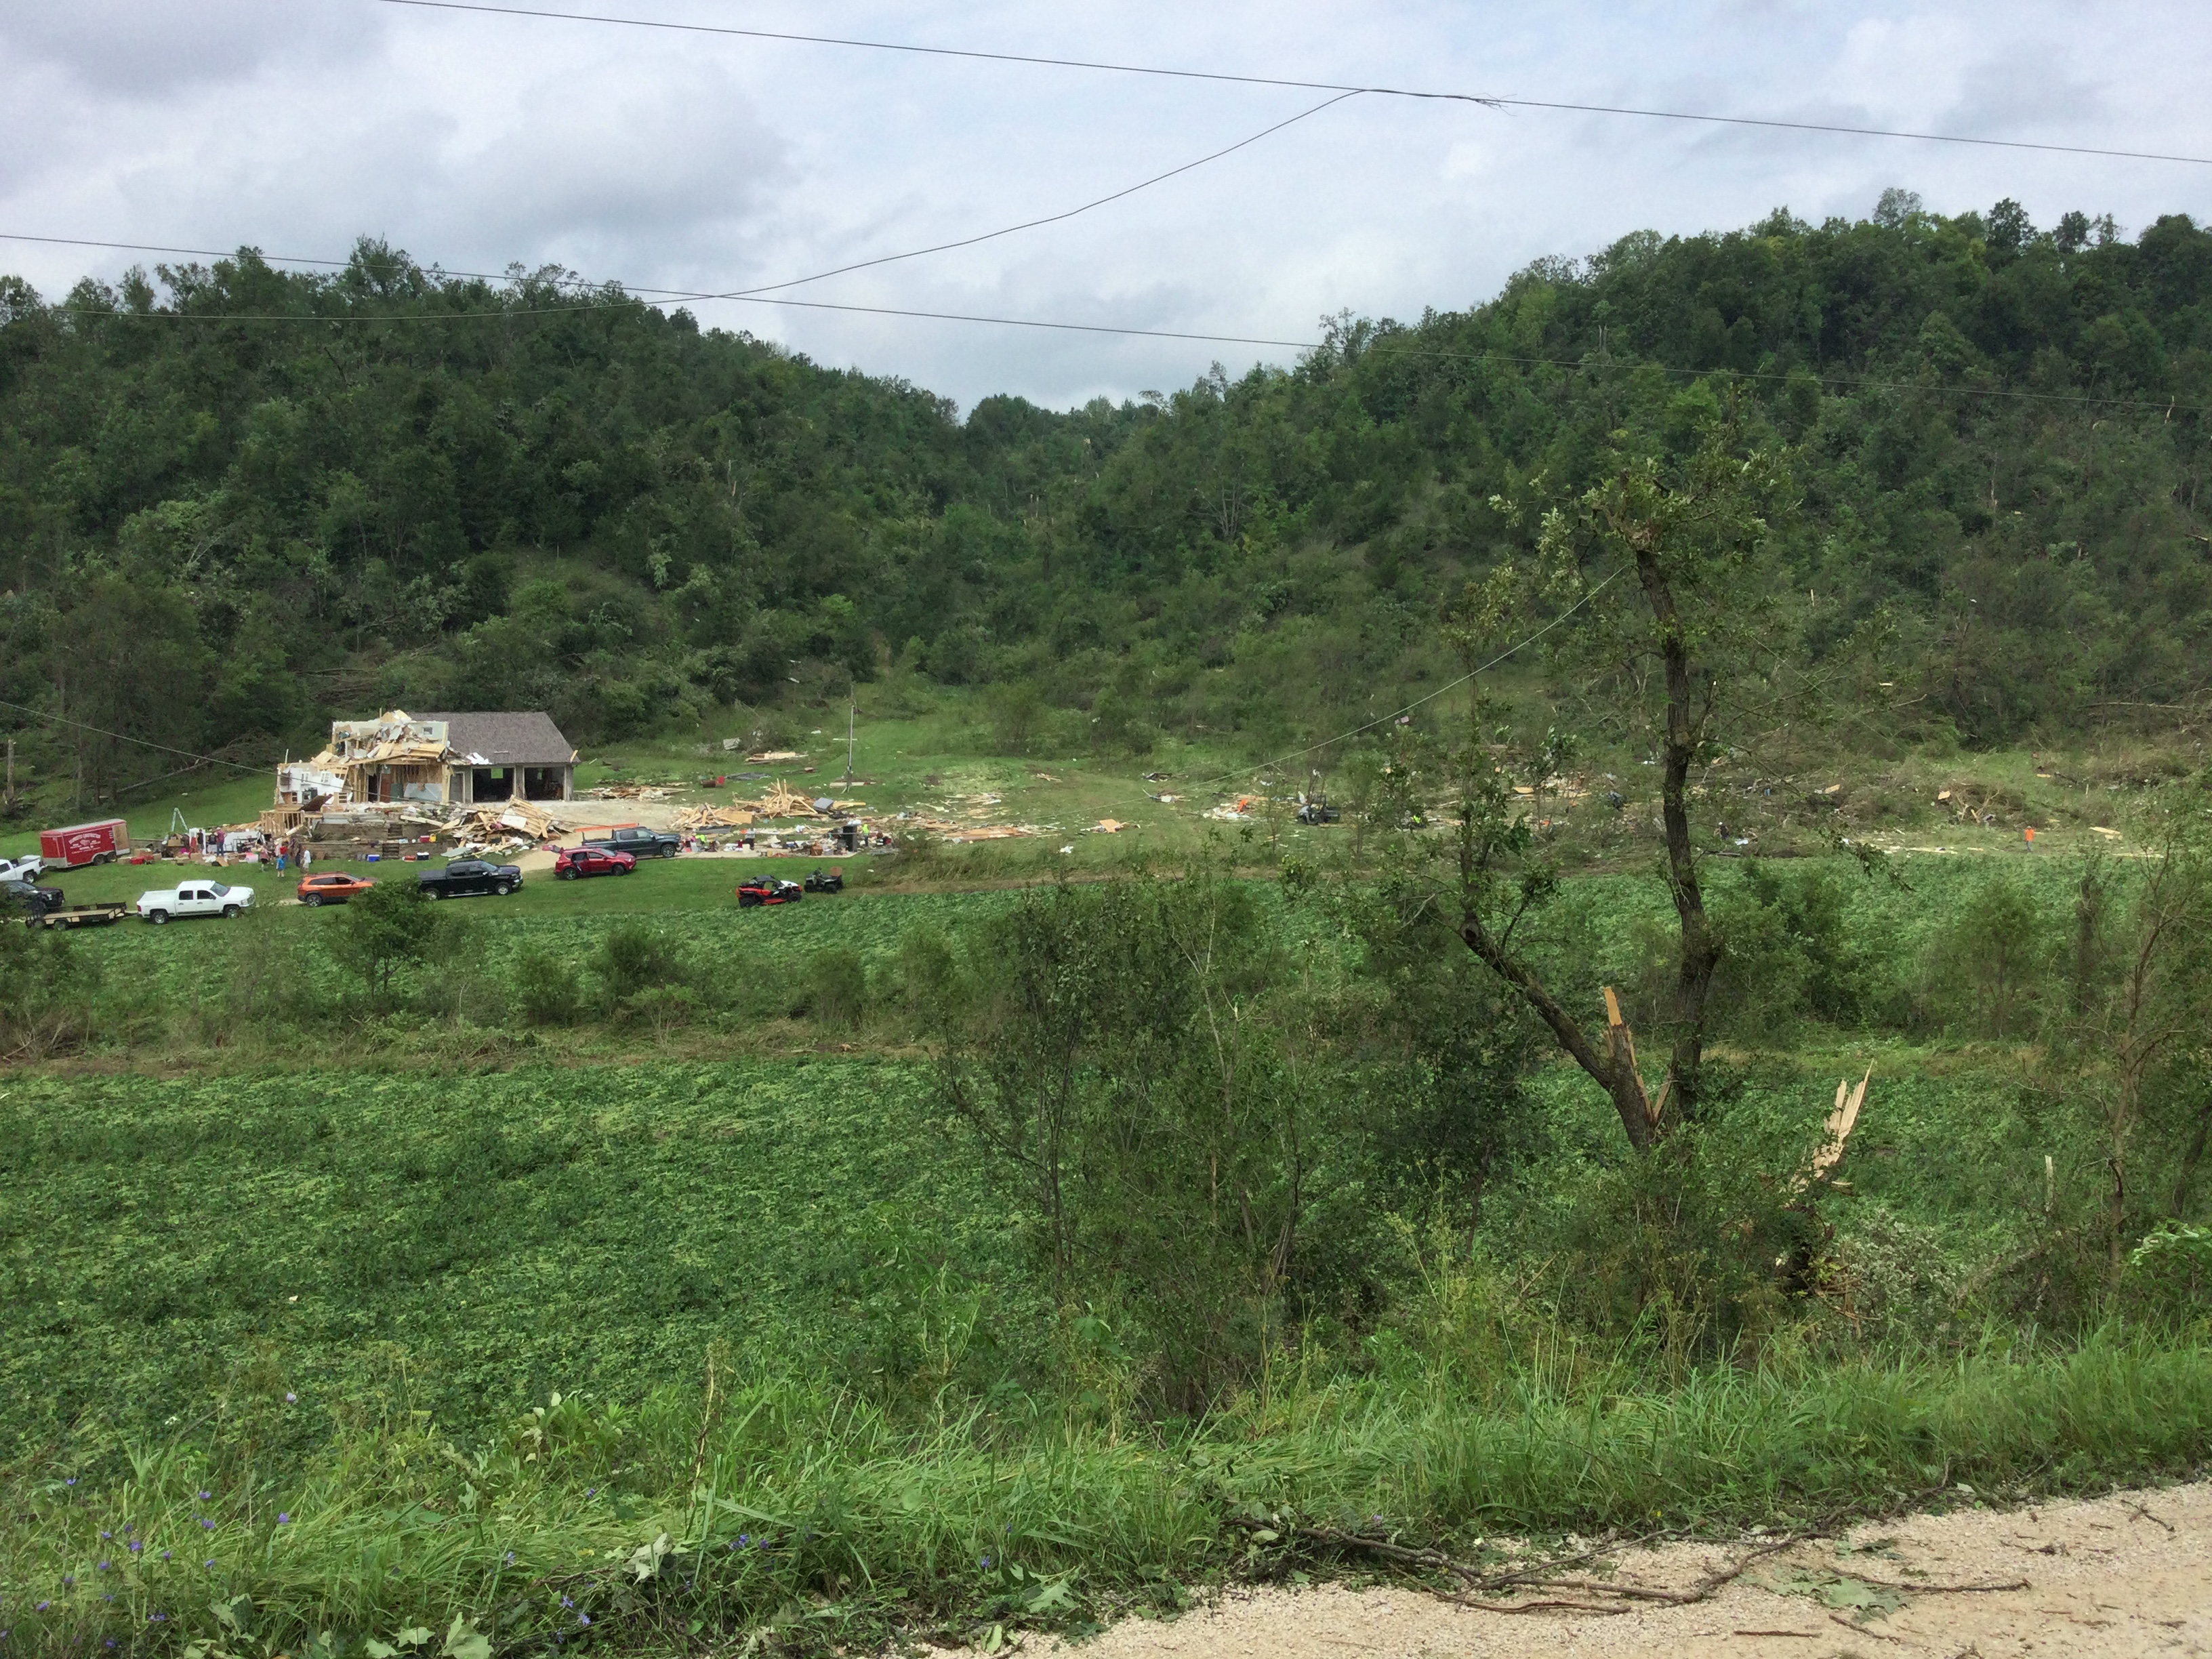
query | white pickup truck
(194,899)
(28,868)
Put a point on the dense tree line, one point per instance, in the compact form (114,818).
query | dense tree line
(234,500)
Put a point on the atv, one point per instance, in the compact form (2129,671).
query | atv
(825,881)
(767,890)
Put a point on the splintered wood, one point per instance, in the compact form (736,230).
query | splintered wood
(1841,1121)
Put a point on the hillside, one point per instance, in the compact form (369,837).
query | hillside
(235,501)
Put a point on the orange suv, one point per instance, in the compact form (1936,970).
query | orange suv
(332,890)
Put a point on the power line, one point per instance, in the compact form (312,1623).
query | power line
(145,743)
(1032,224)
(1488,101)
(764,288)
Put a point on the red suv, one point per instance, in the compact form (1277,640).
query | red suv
(574,861)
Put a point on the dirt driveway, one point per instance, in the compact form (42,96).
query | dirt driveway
(2129,1574)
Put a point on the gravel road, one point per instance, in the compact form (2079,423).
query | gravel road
(2123,1575)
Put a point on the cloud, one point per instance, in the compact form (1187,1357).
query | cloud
(143,52)
(702,162)
(2028,89)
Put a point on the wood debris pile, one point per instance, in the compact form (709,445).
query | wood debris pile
(693,819)
(627,792)
(782,802)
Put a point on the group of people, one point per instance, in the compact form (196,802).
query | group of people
(208,846)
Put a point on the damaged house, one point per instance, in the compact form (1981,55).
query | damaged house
(444,760)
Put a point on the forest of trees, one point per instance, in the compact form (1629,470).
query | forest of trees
(235,501)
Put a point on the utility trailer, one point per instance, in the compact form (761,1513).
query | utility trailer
(81,915)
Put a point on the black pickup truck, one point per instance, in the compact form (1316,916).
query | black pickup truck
(635,838)
(465,876)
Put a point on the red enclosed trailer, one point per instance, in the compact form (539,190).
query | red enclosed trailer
(85,843)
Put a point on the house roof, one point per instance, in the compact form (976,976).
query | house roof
(505,739)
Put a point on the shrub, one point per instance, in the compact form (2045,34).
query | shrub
(634,958)
(835,987)
(547,989)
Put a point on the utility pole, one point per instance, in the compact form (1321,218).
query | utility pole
(852,723)
(9,799)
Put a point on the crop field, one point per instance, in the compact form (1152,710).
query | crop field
(339,1297)
(489,1237)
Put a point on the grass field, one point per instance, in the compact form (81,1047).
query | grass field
(494,1237)
(299,1335)
(288,1299)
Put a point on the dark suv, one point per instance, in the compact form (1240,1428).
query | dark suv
(30,898)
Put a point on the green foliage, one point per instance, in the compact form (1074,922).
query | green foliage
(391,926)
(1789,955)
(835,989)
(634,958)
(602,509)
(1125,1081)
(548,990)
(45,987)
(1991,962)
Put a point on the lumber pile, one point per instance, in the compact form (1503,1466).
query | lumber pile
(693,819)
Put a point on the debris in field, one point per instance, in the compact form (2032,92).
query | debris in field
(782,802)
(692,819)
(2100,829)
(769,756)
(627,792)
(1106,827)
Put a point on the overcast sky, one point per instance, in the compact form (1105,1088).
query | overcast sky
(688,161)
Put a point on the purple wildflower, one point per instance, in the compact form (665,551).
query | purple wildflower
(71,1481)
(107,1534)
(105,1565)
(583,1617)
(205,1496)
(137,1544)
(291,1399)
(206,1525)
(283,1517)
(43,1606)
(165,1555)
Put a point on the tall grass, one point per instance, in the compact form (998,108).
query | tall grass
(774,1507)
